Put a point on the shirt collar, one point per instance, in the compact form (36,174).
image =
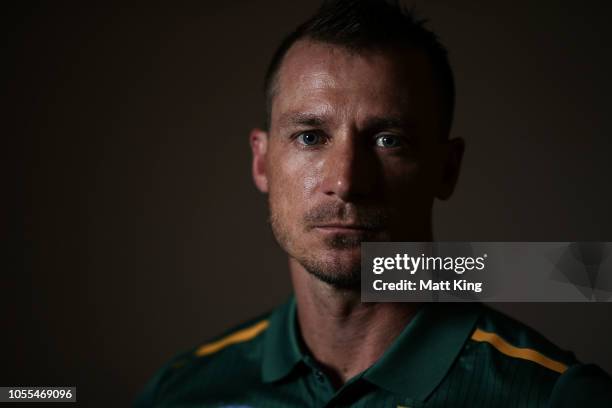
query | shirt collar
(281,346)
(420,357)
(414,364)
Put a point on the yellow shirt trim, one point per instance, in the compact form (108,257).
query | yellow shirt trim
(524,353)
(237,337)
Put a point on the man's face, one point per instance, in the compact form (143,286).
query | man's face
(355,152)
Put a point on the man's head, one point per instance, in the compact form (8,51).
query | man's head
(360,102)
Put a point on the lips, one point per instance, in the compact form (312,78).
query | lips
(347,227)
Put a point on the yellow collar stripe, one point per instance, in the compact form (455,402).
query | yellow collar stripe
(237,337)
(524,353)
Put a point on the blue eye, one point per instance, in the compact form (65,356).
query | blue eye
(309,138)
(388,141)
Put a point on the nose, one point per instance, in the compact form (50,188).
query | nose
(350,170)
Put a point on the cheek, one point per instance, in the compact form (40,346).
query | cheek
(293,182)
(401,175)
(310,182)
(299,176)
(408,183)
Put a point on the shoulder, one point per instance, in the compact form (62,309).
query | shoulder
(513,347)
(504,362)
(210,364)
(508,338)
(582,385)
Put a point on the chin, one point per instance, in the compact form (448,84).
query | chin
(338,268)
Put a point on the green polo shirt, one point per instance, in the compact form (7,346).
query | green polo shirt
(449,355)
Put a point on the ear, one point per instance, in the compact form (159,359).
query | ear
(453,153)
(259,146)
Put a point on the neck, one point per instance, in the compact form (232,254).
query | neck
(344,335)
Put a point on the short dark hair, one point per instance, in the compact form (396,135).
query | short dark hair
(360,25)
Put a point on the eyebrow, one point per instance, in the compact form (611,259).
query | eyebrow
(376,123)
(294,119)
(379,123)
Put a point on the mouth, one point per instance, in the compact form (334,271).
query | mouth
(346,228)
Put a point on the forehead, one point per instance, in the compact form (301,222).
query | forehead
(322,77)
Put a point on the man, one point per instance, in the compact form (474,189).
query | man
(356,148)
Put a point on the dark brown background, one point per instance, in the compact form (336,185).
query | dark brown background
(132,204)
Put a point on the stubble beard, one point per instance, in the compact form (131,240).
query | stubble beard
(321,262)
(340,275)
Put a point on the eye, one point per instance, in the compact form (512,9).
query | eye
(309,138)
(388,140)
